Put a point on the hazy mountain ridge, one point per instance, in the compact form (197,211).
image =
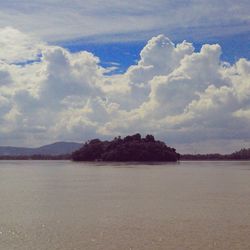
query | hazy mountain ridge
(57,148)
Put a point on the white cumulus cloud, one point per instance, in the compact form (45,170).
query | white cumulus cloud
(181,96)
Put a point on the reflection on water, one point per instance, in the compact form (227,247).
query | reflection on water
(65,205)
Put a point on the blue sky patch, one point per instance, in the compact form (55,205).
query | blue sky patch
(123,55)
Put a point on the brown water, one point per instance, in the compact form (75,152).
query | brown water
(65,205)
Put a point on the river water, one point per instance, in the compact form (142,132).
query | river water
(87,206)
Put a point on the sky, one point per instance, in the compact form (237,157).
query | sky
(77,70)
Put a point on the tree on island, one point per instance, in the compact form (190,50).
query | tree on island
(130,148)
(243,154)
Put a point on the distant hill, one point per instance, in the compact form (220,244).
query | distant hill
(57,148)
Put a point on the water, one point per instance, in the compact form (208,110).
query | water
(65,205)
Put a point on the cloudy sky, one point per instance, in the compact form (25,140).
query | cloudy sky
(76,70)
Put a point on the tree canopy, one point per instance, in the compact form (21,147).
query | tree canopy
(130,148)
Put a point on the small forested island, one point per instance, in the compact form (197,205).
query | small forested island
(130,148)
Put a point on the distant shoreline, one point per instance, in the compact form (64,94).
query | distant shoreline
(64,158)
(129,149)
(35,157)
(237,156)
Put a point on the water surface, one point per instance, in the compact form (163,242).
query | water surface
(87,206)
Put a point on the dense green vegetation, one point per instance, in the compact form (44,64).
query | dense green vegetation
(130,148)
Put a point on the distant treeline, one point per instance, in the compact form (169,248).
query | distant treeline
(36,157)
(243,154)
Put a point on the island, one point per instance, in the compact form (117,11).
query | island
(132,148)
